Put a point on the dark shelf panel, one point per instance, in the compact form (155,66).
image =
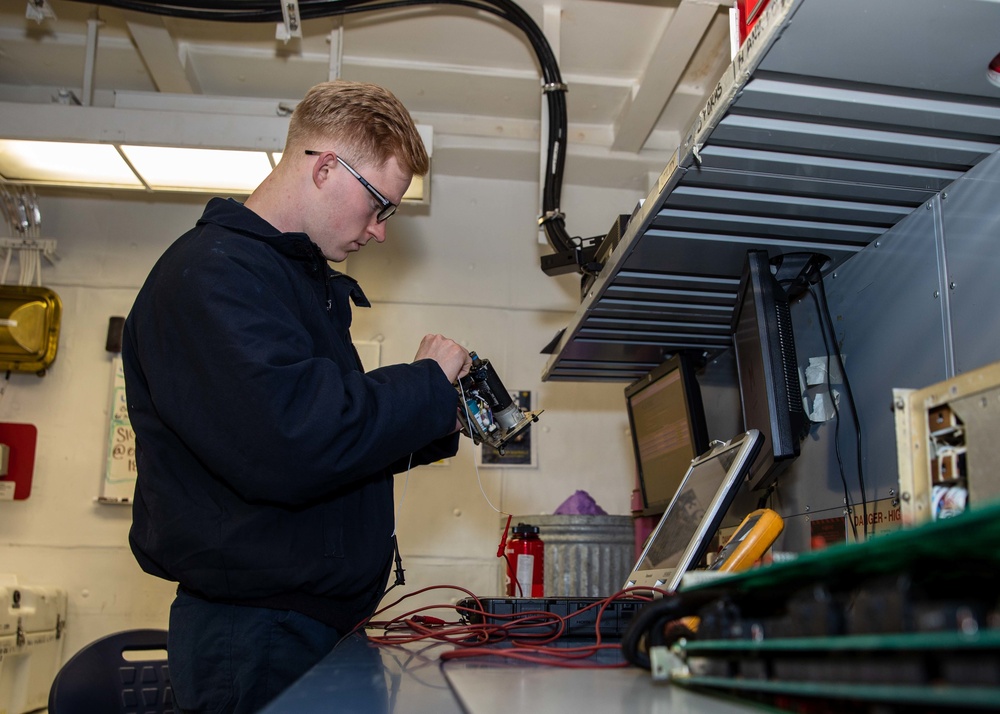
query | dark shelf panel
(833,123)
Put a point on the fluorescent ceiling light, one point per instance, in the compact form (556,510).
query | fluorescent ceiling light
(149,150)
(62,162)
(169,168)
(156,168)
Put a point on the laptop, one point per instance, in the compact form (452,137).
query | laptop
(682,537)
(679,542)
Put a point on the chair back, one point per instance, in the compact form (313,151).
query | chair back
(125,673)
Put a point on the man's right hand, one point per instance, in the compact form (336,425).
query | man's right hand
(454,359)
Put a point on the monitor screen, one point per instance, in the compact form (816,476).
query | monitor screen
(667,421)
(770,394)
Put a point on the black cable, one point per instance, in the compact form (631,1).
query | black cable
(552,219)
(513,575)
(836,411)
(650,626)
(851,403)
(400,580)
(762,502)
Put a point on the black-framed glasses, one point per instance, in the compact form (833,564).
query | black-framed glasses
(387,206)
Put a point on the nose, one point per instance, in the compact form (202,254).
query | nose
(377,231)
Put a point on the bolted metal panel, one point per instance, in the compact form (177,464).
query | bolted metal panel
(971,225)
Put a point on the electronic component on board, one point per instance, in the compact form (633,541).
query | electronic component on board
(488,414)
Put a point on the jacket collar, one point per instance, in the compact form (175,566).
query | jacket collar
(236,217)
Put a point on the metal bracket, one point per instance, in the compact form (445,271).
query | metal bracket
(45,246)
(292,25)
(39,11)
(552,215)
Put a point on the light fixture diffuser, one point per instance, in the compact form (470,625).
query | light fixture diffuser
(65,163)
(168,168)
(153,148)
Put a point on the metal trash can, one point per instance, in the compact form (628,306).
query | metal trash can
(585,556)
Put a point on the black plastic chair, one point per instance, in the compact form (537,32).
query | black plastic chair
(100,680)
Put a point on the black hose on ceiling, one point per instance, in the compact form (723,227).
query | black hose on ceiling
(552,219)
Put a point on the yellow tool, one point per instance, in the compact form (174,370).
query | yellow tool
(756,534)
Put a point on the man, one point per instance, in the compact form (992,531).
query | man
(265,452)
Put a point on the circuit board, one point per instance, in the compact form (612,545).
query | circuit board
(909,621)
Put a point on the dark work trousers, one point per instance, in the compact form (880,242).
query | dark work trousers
(232,659)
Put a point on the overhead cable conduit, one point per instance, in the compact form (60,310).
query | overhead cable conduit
(552,219)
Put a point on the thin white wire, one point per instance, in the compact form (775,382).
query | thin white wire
(29,265)
(479,479)
(6,265)
(22,215)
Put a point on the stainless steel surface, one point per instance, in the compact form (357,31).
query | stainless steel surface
(361,678)
(834,123)
(505,689)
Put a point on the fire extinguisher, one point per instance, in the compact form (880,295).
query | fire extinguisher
(525,555)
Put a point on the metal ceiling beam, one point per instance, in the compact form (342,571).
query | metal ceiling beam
(664,70)
(56,122)
(158,51)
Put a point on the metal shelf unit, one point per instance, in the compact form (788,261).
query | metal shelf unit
(833,122)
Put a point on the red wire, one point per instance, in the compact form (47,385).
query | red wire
(502,553)
(475,639)
(513,575)
(546,656)
(503,538)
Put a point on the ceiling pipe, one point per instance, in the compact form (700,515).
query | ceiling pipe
(90,61)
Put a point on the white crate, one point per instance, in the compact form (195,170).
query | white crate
(31,623)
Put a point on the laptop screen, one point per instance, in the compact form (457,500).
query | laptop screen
(687,526)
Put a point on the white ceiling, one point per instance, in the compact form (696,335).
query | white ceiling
(637,70)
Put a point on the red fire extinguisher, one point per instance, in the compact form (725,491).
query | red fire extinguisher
(525,555)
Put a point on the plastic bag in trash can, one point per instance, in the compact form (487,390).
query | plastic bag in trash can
(580,503)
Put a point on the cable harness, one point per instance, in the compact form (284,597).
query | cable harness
(531,636)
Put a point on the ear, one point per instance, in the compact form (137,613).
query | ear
(323,167)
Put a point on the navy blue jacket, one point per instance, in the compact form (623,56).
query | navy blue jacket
(265,453)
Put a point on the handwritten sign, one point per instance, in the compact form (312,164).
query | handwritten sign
(120,472)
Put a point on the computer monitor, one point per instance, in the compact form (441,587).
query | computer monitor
(768,370)
(667,420)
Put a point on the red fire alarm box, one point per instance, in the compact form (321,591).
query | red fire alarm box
(17,460)
(750,11)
